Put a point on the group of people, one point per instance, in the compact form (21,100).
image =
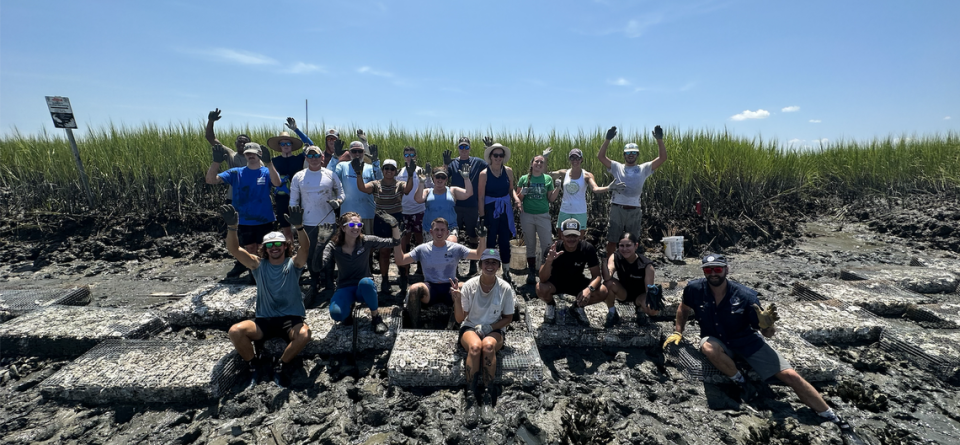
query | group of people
(345,206)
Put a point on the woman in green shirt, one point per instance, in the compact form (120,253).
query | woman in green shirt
(536,191)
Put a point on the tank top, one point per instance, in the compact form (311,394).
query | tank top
(574,194)
(498,187)
(440,206)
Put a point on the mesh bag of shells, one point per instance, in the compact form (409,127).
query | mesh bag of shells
(330,337)
(427,358)
(213,305)
(830,322)
(936,351)
(69,331)
(147,371)
(923,280)
(879,297)
(567,332)
(16,302)
(936,316)
(690,361)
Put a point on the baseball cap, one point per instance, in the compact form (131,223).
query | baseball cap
(357,144)
(463,140)
(251,147)
(713,259)
(390,162)
(332,132)
(274,236)
(570,226)
(631,147)
(490,254)
(575,152)
(312,148)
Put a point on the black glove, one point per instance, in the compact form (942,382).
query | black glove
(334,203)
(657,133)
(291,123)
(389,219)
(338,148)
(374,152)
(429,170)
(229,215)
(325,232)
(357,166)
(294,216)
(481,228)
(487,141)
(219,154)
(446,157)
(611,133)
(265,156)
(214,115)
(411,168)
(655,297)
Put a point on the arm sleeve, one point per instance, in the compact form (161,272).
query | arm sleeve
(303,137)
(415,253)
(375,242)
(324,261)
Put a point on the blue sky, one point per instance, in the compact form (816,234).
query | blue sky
(795,71)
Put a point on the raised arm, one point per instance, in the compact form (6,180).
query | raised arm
(267,162)
(421,195)
(602,154)
(230,217)
(212,176)
(476,253)
(294,216)
(467,190)
(481,186)
(365,187)
(212,117)
(662,155)
(292,124)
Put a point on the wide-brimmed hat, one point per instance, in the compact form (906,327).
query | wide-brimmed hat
(274,142)
(506,153)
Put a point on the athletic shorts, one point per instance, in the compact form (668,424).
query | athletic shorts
(464,329)
(580,217)
(277,327)
(415,220)
(439,294)
(253,234)
(382,229)
(766,361)
(281,206)
(623,220)
(571,285)
(467,220)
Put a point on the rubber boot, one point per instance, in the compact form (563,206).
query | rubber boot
(531,270)
(506,272)
(471,414)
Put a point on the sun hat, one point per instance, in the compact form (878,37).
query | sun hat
(332,132)
(252,147)
(713,259)
(274,142)
(631,147)
(312,148)
(575,151)
(570,226)
(506,153)
(274,236)
(490,254)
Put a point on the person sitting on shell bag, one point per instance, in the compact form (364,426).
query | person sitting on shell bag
(562,273)
(279,311)
(634,282)
(485,306)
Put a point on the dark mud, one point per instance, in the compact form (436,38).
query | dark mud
(589,396)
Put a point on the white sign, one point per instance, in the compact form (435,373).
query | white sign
(61,112)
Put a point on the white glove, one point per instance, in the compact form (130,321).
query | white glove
(617,186)
(557,183)
(483,329)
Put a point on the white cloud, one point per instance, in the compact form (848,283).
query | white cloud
(823,141)
(794,141)
(619,82)
(747,114)
(241,57)
(302,68)
(373,72)
(946,118)
(790,109)
(814,121)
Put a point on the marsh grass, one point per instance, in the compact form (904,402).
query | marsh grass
(160,169)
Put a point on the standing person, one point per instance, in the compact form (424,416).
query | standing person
(562,273)
(357,201)
(625,212)
(279,311)
(440,200)
(332,143)
(635,280)
(233,159)
(351,251)
(439,259)
(485,306)
(536,191)
(251,193)
(495,193)
(319,192)
(728,329)
(387,193)
(467,215)
(412,210)
(287,164)
(574,182)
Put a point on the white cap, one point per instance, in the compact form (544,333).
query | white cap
(390,162)
(274,236)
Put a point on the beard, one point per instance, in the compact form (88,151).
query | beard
(716,280)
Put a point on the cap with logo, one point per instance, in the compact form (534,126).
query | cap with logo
(463,140)
(490,254)
(714,259)
(332,132)
(274,236)
(631,147)
(570,226)
(575,152)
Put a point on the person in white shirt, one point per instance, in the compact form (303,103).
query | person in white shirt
(320,193)
(412,212)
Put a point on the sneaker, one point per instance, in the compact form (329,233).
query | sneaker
(748,391)
(378,325)
(642,318)
(238,269)
(577,313)
(283,374)
(385,286)
(613,318)
(550,315)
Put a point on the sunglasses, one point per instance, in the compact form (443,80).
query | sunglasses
(444,177)
(314,155)
(273,244)
(389,169)
(497,155)
(631,153)
(356,152)
(286,144)
(464,147)
(409,155)
(576,158)
(709,270)
(358,225)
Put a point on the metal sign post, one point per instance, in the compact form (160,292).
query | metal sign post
(62,115)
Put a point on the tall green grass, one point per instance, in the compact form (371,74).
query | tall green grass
(152,168)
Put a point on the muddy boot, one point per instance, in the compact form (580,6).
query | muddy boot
(505,268)
(613,318)
(413,311)
(642,318)
(471,413)
(473,268)
(550,314)
(283,374)
(384,284)
(378,325)
(258,371)
(488,411)
(238,269)
(404,279)
(532,271)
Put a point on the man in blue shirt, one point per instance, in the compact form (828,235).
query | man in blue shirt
(467,211)
(731,323)
(356,200)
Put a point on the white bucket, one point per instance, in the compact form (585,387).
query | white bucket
(673,248)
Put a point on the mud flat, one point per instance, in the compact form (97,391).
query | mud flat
(918,279)
(566,331)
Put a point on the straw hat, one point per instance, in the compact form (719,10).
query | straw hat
(506,153)
(274,142)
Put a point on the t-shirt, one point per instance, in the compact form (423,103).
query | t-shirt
(733,321)
(389,197)
(477,165)
(486,308)
(535,202)
(410,204)
(570,265)
(278,289)
(356,266)
(633,177)
(311,190)
(251,194)
(357,201)
(439,263)
(287,167)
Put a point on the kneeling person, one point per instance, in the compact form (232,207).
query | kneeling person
(280,312)
(634,282)
(439,259)
(562,273)
(485,306)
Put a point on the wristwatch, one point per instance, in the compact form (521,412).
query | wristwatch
(592,289)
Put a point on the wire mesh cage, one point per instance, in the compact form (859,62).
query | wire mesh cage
(567,332)
(212,305)
(879,297)
(936,316)
(922,280)
(16,302)
(69,331)
(935,351)
(831,322)
(147,371)
(330,337)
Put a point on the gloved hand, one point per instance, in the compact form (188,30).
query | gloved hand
(657,133)
(611,133)
(214,115)
(429,170)
(325,232)
(265,156)
(547,152)
(357,165)
(411,168)
(291,123)
(767,317)
(483,329)
(334,203)
(229,215)
(465,170)
(338,148)
(361,136)
(294,216)
(446,157)
(219,154)
(617,186)
(673,338)
(374,152)
(482,227)
(487,141)
(655,297)
(388,218)
(557,183)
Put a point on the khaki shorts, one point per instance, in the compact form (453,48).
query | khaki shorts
(622,221)
(766,361)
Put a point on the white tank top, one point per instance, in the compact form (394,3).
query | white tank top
(574,194)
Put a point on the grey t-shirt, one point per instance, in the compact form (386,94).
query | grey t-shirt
(486,308)
(278,290)
(439,263)
(633,177)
